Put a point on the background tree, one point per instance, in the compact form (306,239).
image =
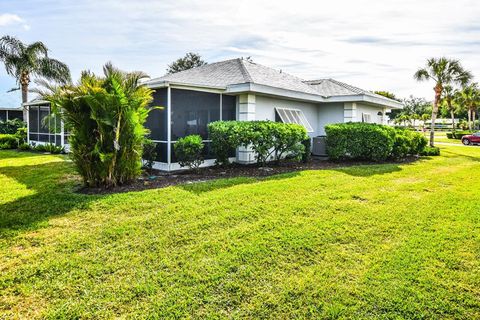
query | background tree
(191,60)
(443,72)
(469,98)
(24,61)
(387,94)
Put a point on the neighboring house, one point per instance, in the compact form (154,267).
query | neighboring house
(242,90)
(9,113)
(43,127)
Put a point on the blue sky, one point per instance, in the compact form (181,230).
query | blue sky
(376,45)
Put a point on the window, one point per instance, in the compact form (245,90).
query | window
(293,116)
(366,117)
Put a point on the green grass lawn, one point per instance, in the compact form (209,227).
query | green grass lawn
(442,137)
(387,241)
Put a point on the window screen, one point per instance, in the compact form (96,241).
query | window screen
(366,117)
(293,116)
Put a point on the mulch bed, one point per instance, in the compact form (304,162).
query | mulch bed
(160,179)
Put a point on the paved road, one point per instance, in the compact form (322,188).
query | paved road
(455,144)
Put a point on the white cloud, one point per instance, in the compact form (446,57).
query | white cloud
(375,44)
(7,19)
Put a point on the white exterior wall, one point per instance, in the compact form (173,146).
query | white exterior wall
(373,111)
(329,113)
(265,110)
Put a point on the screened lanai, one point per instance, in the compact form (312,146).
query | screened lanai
(184,112)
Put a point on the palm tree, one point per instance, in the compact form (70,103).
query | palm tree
(449,98)
(23,61)
(469,97)
(444,72)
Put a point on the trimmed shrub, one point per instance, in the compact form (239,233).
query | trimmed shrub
(149,154)
(8,141)
(225,139)
(269,140)
(367,141)
(11,126)
(449,135)
(363,141)
(430,151)
(24,147)
(188,151)
(49,147)
(407,142)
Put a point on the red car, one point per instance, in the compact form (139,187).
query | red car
(471,139)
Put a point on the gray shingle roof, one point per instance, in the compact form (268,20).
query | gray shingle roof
(331,87)
(237,71)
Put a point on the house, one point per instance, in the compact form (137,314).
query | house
(239,89)
(10,113)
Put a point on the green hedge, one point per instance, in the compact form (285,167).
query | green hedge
(189,151)
(368,141)
(459,134)
(268,139)
(363,141)
(8,141)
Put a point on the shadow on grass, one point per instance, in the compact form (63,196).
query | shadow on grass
(18,154)
(52,195)
(369,170)
(200,187)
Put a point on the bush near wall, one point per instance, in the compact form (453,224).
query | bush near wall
(268,140)
(8,141)
(363,141)
(11,126)
(367,141)
(189,151)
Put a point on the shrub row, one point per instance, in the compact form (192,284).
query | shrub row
(367,141)
(269,140)
(458,134)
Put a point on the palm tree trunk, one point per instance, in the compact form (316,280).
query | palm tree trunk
(473,118)
(453,119)
(438,92)
(24,82)
(469,113)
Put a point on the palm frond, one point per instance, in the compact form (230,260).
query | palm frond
(36,48)
(54,70)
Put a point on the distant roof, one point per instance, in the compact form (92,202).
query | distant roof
(231,73)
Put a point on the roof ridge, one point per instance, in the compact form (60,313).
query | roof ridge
(244,70)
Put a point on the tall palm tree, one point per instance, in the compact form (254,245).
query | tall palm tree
(24,61)
(444,72)
(449,98)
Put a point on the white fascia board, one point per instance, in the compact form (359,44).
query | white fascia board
(185,86)
(35,103)
(273,91)
(11,108)
(367,99)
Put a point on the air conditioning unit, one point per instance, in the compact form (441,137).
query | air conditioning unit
(319,146)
